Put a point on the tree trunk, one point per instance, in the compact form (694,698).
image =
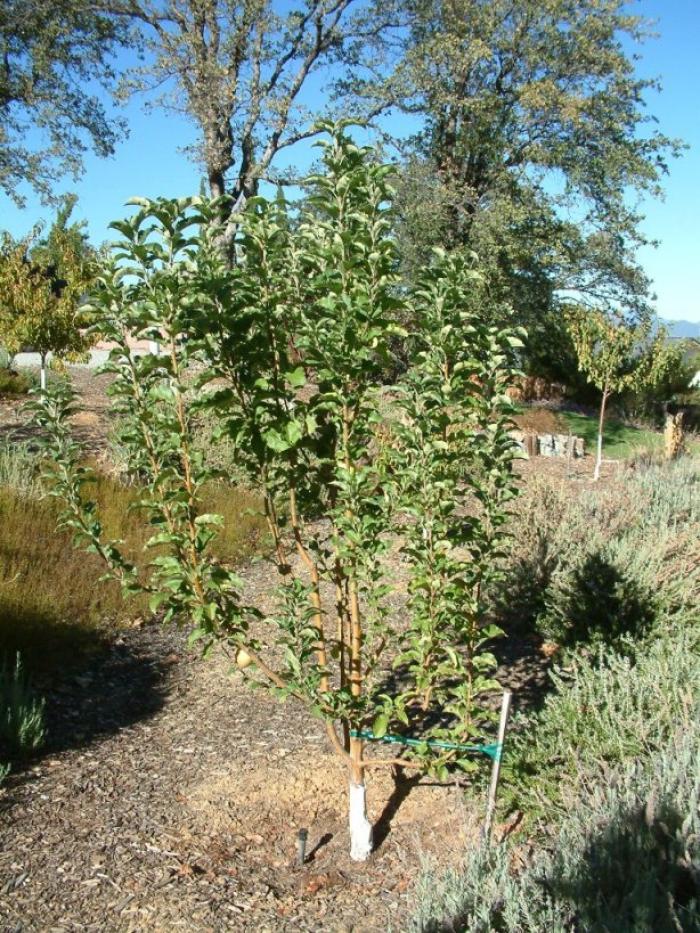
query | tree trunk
(42,375)
(601,425)
(360,826)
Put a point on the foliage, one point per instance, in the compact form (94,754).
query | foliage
(623,859)
(21,714)
(604,711)
(41,287)
(535,131)
(606,773)
(617,356)
(602,564)
(51,53)
(289,344)
(453,457)
(240,70)
(14,383)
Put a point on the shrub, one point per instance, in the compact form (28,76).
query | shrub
(605,710)
(606,563)
(19,470)
(21,714)
(625,858)
(14,383)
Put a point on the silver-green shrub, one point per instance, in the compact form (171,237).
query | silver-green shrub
(19,469)
(605,710)
(607,563)
(625,859)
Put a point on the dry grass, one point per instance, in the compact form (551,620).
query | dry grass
(540,421)
(54,607)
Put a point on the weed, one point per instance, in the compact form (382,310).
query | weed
(21,714)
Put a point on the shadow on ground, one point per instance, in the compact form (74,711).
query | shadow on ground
(125,683)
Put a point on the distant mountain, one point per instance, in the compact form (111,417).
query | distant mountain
(682,329)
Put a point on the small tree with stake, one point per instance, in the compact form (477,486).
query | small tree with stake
(615,356)
(290,345)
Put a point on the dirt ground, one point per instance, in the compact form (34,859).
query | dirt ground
(170,795)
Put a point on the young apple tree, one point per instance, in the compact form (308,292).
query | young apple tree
(615,356)
(287,350)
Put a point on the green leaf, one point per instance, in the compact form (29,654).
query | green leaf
(274,440)
(297,377)
(380,725)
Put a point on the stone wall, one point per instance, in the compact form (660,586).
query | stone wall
(549,445)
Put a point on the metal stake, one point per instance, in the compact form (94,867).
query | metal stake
(496,767)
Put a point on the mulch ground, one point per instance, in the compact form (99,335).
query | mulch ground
(170,795)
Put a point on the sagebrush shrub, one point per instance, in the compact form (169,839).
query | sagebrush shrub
(604,710)
(625,858)
(596,566)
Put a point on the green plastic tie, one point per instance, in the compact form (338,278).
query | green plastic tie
(493,751)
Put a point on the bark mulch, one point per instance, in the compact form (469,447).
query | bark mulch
(170,796)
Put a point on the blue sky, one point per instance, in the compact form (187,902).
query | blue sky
(150,162)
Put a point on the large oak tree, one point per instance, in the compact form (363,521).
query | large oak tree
(536,145)
(240,68)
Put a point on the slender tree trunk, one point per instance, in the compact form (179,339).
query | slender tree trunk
(42,375)
(601,425)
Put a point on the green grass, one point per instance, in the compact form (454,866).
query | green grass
(620,441)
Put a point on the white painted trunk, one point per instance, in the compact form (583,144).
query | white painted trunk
(43,375)
(599,458)
(360,826)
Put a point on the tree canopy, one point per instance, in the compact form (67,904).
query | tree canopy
(52,54)
(238,69)
(535,143)
(42,283)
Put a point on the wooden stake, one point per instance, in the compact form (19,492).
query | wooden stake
(496,767)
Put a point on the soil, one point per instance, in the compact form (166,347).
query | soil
(170,795)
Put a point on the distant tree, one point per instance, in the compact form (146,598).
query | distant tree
(51,54)
(42,283)
(535,133)
(615,356)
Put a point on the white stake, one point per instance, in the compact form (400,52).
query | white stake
(496,767)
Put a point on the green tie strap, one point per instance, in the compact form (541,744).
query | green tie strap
(493,751)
